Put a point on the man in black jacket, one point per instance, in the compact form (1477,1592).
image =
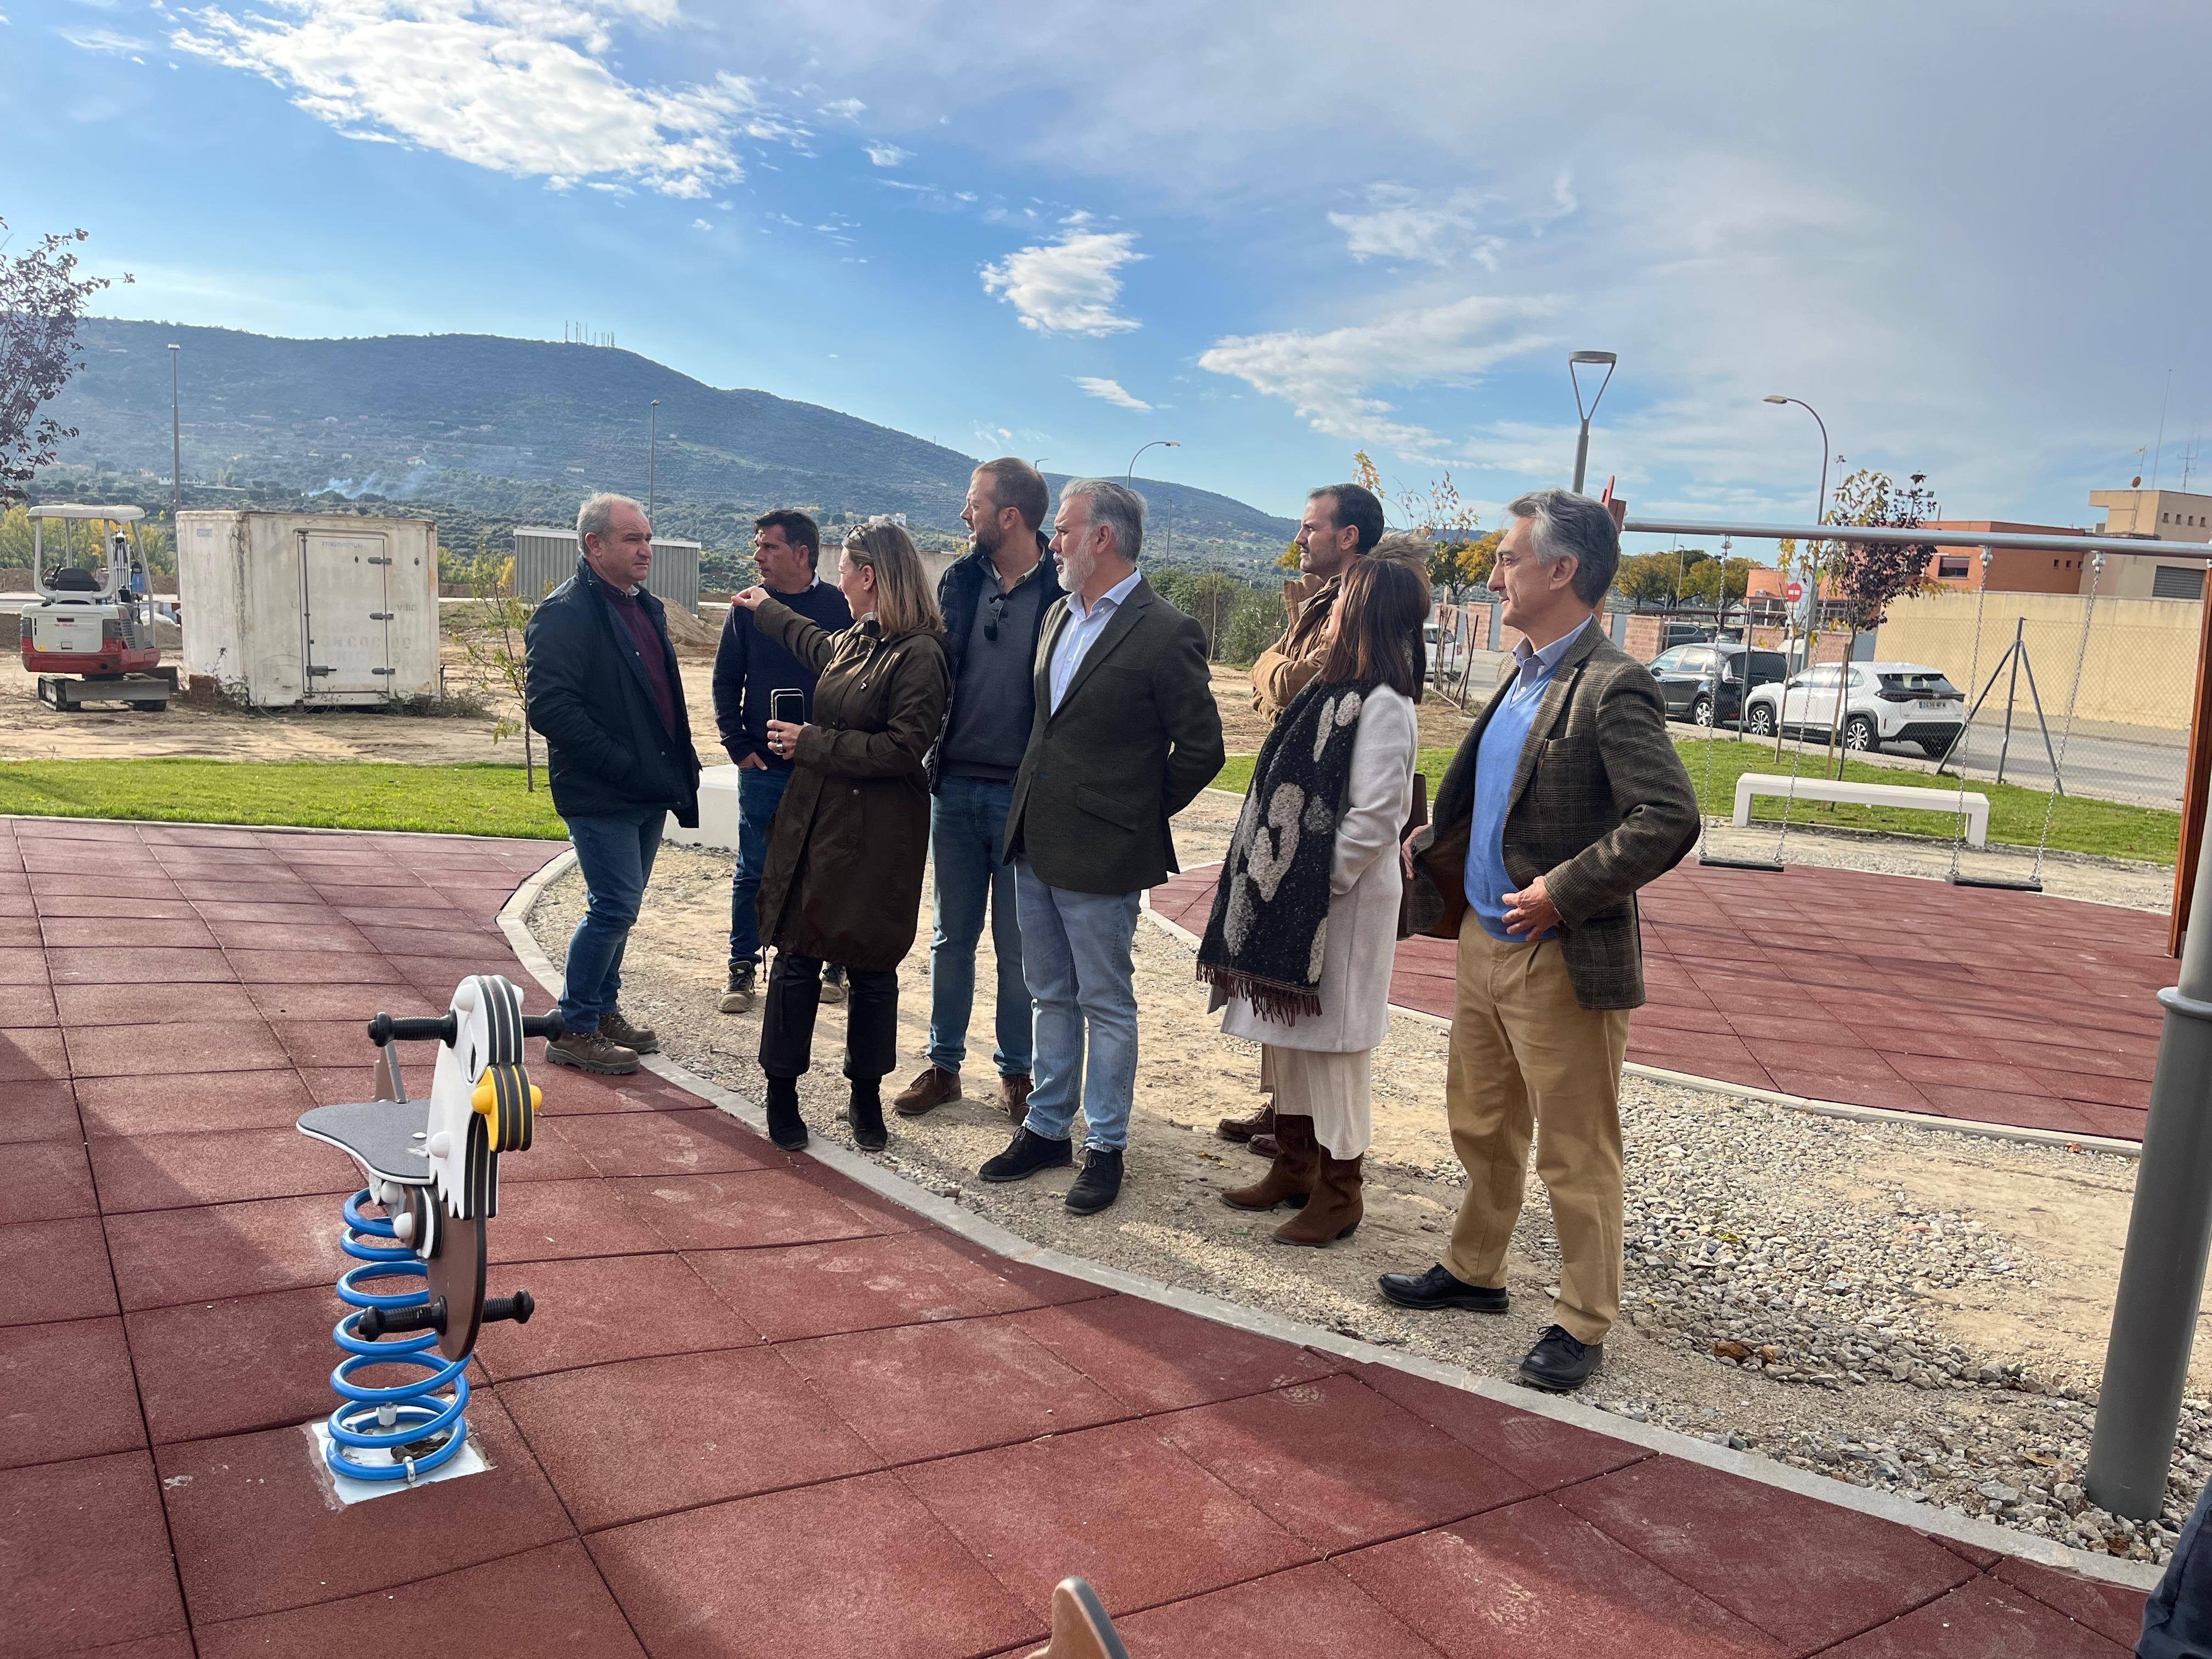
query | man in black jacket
(994,602)
(604,692)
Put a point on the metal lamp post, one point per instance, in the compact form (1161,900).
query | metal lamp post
(652,455)
(1591,359)
(176,449)
(1157,443)
(1820,515)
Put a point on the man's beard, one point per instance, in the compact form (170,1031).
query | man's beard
(1076,569)
(987,539)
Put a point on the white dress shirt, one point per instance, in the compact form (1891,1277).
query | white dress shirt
(1082,627)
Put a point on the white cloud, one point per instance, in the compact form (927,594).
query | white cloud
(516,86)
(1328,378)
(842,109)
(1110,391)
(701,224)
(105,41)
(888,155)
(1403,224)
(1067,286)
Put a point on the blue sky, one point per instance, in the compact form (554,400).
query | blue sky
(1274,229)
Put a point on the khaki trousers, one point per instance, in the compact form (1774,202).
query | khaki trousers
(1525,1057)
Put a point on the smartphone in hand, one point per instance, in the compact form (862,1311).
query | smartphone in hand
(788,704)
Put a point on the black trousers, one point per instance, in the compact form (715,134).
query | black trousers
(794,993)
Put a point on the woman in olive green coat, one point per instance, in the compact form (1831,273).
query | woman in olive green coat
(843,877)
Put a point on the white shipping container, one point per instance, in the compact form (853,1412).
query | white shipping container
(309,610)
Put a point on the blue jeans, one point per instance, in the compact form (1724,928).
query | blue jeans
(1075,955)
(2177,1618)
(967,828)
(615,851)
(760,791)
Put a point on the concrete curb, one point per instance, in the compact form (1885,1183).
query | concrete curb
(513,920)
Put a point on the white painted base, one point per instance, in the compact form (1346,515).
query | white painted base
(469,1460)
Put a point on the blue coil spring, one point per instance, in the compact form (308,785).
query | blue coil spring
(390,1420)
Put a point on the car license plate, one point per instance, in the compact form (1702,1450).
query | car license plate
(1936,707)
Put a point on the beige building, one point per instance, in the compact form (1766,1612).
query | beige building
(2166,515)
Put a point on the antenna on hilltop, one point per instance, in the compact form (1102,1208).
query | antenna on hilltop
(2188,460)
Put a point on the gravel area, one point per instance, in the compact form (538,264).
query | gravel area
(1909,1310)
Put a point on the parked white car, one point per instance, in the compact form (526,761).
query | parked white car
(1883,703)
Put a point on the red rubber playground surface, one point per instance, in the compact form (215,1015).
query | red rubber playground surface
(1885,991)
(760,1411)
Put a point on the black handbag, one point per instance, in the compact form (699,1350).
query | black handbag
(1420,906)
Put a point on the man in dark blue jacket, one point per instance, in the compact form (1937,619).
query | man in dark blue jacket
(749,669)
(604,693)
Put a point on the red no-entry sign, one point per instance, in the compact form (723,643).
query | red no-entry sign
(1794,593)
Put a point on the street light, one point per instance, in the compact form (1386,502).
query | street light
(1157,443)
(176,450)
(652,456)
(1582,445)
(1820,503)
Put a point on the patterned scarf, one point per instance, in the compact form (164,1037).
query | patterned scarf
(1269,928)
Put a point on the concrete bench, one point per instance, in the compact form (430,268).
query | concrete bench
(1951,801)
(718,812)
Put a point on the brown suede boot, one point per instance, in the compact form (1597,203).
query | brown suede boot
(1261,1122)
(1289,1178)
(1334,1210)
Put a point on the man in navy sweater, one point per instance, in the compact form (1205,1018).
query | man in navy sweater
(748,669)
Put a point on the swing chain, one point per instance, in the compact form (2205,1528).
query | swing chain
(1973,679)
(2073,698)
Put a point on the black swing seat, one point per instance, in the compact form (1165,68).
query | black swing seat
(386,1138)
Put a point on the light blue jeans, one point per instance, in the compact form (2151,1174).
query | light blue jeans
(614,853)
(1075,956)
(967,829)
(760,791)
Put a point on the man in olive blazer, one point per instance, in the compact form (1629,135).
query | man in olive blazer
(1126,733)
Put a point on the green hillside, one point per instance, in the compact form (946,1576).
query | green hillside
(483,433)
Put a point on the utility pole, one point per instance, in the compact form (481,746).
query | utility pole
(176,451)
(652,456)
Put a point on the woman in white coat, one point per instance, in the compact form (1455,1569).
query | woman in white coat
(1304,926)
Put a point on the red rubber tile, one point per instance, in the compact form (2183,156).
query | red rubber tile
(53,1270)
(164,1257)
(66,1391)
(2118,1122)
(84,1562)
(56,931)
(254,1533)
(559,1220)
(1155,1359)
(109,887)
(1542,1451)
(1981,1074)
(592,1313)
(326,933)
(332,1042)
(857,1284)
(853,1570)
(228,1166)
(650,1436)
(1509,1583)
(569,1092)
(549,1600)
(919,1391)
(306,967)
(332,1085)
(1114,1505)
(2104,1091)
(1309,1613)
(44,857)
(707,1142)
(265,890)
(1895,1039)
(356,1002)
(2113,1611)
(305,911)
(551,1158)
(99,964)
(1847,1572)
(1338,1465)
(438,974)
(1894,1095)
(23,1007)
(46,1181)
(2043,1059)
(30,1054)
(180,1105)
(745,1207)
(1984,1620)
(44,1109)
(468,943)
(81,1005)
(196,1050)
(1991,1106)
(239,1363)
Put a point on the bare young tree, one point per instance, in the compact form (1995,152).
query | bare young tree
(1867,578)
(42,298)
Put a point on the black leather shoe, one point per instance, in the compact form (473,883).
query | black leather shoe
(865,1112)
(1439,1288)
(1559,1364)
(1099,1184)
(785,1125)
(1026,1155)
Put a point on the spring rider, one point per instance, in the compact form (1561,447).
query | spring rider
(432,1166)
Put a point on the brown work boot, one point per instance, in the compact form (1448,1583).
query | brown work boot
(1243,1129)
(1289,1178)
(931,1088)
(1264,1147)
(1014,1095)
(1334,1210)
(616,1028)
(590,1051)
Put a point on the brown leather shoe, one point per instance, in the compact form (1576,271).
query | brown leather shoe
(1014,1095)
(932,1087)
(1290,1178)
(1334,1210)
(1243,1129)
(1264,1147)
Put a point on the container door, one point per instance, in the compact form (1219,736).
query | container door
(345,579)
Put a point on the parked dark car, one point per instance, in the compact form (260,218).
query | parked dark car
(1704,683)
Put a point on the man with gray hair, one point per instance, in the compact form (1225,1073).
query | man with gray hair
(603,691)
(1566,796)
(1125,734)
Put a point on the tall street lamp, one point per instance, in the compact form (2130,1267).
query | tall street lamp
(176,450)
(652,455)
(1588,359)
(1820,501)
(1157,443)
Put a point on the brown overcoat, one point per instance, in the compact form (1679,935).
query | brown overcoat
(844,856)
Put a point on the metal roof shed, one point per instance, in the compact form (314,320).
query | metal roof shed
(545,556)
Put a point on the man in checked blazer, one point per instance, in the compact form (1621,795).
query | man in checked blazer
(1564,799)
(1126,733)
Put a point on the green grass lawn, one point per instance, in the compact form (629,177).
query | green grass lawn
(466,800)
(2106,829)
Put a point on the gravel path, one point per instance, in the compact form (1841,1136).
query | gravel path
(1910,1309)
